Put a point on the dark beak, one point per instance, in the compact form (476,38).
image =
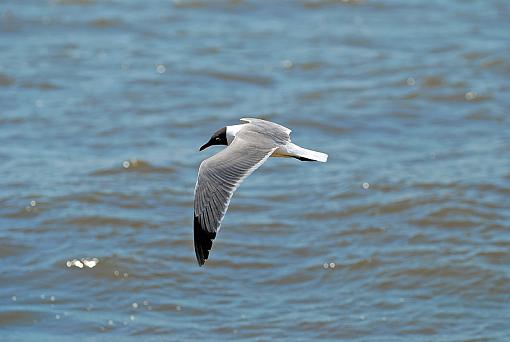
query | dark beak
(205,146)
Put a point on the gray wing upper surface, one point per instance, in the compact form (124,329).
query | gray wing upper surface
(278,133)
(218,178)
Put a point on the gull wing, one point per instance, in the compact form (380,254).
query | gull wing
(268,124)
(278,133)
(218,178)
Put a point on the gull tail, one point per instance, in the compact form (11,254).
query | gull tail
(304,154)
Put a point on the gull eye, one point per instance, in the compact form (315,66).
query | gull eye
(218,139)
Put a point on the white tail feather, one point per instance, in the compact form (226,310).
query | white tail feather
(294,150)
(318,156)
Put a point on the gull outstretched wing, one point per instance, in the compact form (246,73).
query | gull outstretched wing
(218,178)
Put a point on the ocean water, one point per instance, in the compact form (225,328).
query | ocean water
(403,235)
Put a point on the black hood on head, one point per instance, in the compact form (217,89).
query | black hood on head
(218,138)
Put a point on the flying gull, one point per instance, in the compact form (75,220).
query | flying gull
(249,146)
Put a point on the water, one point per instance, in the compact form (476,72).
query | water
(402,236)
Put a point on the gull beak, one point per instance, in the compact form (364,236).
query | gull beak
(206,145)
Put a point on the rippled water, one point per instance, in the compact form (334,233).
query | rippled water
(403,235)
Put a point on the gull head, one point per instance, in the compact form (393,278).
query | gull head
(218,138)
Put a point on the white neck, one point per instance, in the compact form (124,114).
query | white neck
(232,131)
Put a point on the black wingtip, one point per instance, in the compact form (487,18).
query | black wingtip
(305,159)
(203,241)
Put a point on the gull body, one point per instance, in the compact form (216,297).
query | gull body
(288,150)
(248,146)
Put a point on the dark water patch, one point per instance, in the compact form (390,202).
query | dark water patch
(290,279)
(440,275)
(405,115)
(19,317)
(320,4)
(474,55)
(314,326)
(238,265)
(301,252)
(405,205)
(389,305)
(241,78)
(459,97)
(75,2)
(363,264)
(275,198)
(375,209)
(10,248)
(5,80)
(329,215)
(421,239)
(492,188)
(362,231)
(346,195)
(419,331)
(189,4)
(221,5)
(495,257)
(358,41)
(169,243)
(410,95)
(493,63)
(24,212)
(116,267)
(314,95)
(184,203)
(478,339)
(451,47)
(311,66)
(149,81)
(495,228)
(499,286)
(485,115)
(254,249)
(100,222)
(177,192)
(248,208)
(437,186)
(105,23)
(94,197)
(115,199)
(449,212)
(221,104)
(134,165)
(10,22)
(152,331)
(433,81)
(149,111)
(445,224)
(40,85)
(271,228)
(212,50)
(177,307)
(12,120)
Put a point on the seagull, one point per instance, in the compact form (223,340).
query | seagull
(248,146)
